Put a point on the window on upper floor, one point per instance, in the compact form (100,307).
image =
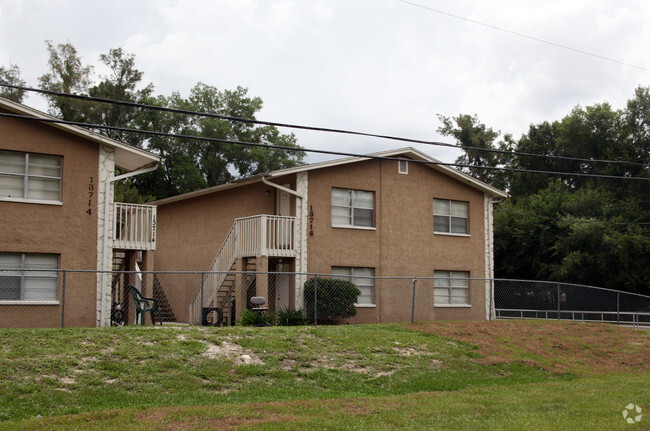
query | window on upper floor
(450,216)
(29,277)
(451,288)
(29,176)
(353,208)
(363,278)
(403,167)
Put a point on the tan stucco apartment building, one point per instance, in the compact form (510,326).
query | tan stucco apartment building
(57,212)
(396,213)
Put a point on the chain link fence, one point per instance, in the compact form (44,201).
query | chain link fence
(307,298)
(524,299)
(63,298)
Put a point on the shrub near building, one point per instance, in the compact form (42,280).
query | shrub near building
(335,299)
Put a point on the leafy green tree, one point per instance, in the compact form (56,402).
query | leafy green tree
(122,84)
(67,75)
(192,164)
(126,191)
(474,138)
(579,236)
(575,229)
(189,164)
(11,76)
(539,140)
(636,119)
(526,232)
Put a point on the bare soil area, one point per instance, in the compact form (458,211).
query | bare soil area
(581,348)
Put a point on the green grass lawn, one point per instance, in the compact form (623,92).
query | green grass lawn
(337,377)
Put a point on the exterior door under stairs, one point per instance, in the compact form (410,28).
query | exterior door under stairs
(282,287)
(283,208)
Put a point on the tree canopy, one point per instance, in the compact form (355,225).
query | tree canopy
(189,164)
(194,164)
(11,75)
(569,228)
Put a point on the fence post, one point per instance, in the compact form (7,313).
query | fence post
(413,301)
(63,302)
(315,302)
(618,308)
(201,304)
(558,301)
(491,297)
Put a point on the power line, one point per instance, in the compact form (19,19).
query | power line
(309,150)
(313,128)
(536,39)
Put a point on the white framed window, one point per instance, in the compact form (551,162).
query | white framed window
(403,167)
(353,208)
(451,288)
(363,278)
(29,176)
(450,216)
(29,277)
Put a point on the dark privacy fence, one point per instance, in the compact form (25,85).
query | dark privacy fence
(525,299)
(61,298)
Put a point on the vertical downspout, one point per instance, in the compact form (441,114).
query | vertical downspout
(107,221)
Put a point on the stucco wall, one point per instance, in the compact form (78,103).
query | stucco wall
(191,232)
(66,229)
(403,243)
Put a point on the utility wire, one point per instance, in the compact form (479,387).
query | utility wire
(312,128)
(309,150)
(536,39)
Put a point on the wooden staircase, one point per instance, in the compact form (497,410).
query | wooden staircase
(259,235)
(227,293)
(122,280)
(118,260)
(159,295)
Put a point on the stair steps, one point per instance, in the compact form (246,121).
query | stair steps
(227,294)
(165,308)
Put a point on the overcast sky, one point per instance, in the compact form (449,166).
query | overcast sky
(380,66)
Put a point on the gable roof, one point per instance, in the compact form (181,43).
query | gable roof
(127,157)
(408,153)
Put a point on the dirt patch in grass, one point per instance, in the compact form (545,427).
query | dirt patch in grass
(232,351)
(166,418)
(582,348)
(251,415)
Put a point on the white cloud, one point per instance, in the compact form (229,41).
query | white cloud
(378,66)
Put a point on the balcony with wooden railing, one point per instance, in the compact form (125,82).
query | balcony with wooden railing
(260,235)
(135,226)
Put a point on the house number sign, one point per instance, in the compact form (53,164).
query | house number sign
(311,220)
(91,192)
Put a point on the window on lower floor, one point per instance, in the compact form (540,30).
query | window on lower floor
(353,208)
(363,278)
(30,176)
(450,216)
(451,288)
(29,277)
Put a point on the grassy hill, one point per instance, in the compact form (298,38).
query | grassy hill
(440,375)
